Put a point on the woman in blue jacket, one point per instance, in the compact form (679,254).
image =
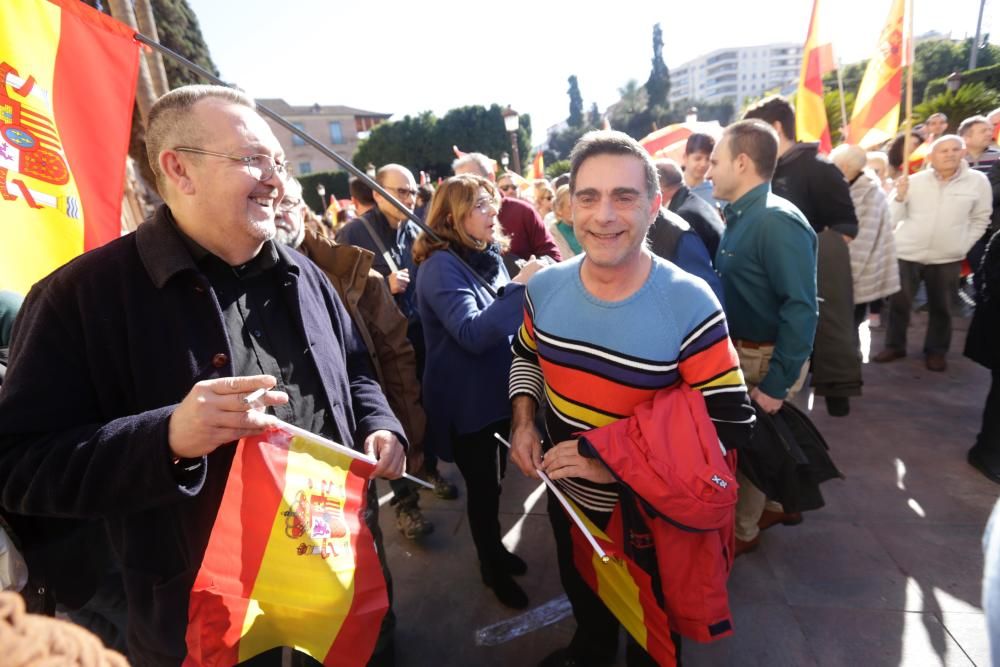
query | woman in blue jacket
(468,334)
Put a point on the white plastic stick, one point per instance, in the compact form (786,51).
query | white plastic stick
(347,451)
(569,508)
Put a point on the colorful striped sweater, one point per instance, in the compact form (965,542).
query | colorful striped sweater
(593,361)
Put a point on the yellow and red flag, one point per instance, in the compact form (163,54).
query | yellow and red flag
(67,85)
(876,109)
(623,586)
(811,123)
(290,561)
(538,167)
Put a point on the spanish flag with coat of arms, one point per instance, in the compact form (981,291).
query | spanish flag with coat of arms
(290,560)
(67,86)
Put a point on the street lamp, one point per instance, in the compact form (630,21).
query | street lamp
(510,123)
(953,82)
(692,115)
(321,191)
(504,160)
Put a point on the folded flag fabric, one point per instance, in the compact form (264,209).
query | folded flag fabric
(290,561)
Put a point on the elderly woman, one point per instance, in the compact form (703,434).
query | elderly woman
(561,228)
(468,332)
(873,252)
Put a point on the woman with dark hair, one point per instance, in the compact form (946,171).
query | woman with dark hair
(468,332)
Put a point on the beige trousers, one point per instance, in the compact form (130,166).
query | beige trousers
(754,362)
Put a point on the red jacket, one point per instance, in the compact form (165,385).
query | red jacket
(669,456)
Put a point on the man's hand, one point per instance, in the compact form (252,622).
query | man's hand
(526,450)
(902,187)
(389,452)
(565,460)
(214,413)
(766,403)
(398,280)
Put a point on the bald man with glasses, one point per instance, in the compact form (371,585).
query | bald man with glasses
(131,365)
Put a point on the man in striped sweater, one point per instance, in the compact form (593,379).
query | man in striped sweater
(602,333)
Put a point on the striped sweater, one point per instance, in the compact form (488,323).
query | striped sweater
(594,361)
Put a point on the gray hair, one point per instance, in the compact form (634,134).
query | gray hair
(611,142)
(968,123)
(482,164)
(169,123)
(947,137)
(849,157)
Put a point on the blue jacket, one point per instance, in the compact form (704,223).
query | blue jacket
(468,336)
(103,351)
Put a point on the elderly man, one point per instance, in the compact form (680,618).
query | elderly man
(679,199)
(767,261)
(939,214)
(585,349)
(131,364)
(519,220)
(382,327)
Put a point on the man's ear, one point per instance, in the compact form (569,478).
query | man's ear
(176,172)
(655,204)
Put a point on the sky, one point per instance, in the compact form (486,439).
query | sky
(405,58)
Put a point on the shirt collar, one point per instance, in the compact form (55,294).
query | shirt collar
(736,209)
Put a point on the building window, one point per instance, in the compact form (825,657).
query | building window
(305,168)
(336,134)
(296,139)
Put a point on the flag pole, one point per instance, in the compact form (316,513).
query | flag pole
(306,137)
(337,447)
(569,508)
(908,121)
(843,107)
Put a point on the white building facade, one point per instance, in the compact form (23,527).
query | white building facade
(737,73)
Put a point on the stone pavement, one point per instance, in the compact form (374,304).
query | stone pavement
(887,574)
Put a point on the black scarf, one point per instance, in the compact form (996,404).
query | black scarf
(485,262)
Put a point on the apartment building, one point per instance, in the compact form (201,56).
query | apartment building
(736,73)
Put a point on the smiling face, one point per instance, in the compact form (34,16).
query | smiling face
(481,220)
(228,210)
(612,209)
(695,167)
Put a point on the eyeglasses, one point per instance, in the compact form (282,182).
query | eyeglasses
(486,205)
(260,167)
(508,188)
(404,192)
(288,205)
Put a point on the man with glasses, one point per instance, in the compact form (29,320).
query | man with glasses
(389,233)
(529,237)
(132,365)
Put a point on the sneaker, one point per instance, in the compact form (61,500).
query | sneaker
(442,488)
(410,520)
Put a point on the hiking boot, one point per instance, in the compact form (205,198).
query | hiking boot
(442,488)
(410,520)
(887,355)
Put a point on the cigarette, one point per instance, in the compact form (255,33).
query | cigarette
(254,395)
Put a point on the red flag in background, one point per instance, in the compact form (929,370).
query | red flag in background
(538,167)
(811,123)
(290,561)
(67,86)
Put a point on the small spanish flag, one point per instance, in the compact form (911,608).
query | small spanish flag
(537,167)
(290,561)
(67,84)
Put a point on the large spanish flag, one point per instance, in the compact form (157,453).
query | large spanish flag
(290,561)
(625,588)
(876,109)
(811,123)
(67,85)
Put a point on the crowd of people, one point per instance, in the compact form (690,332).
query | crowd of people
(696,295)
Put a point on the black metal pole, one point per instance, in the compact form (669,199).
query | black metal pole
(517,154)
(306,137)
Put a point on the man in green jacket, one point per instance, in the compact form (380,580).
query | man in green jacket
(767,262)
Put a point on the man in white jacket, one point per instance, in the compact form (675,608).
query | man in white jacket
(938,217)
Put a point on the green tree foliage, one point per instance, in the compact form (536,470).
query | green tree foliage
(594,116)
(967,101)
(658,85)
(335,183)
(831,100)
(179,31)
(425,142)
(561,142)
(575,103)
(557,168)
(988,75)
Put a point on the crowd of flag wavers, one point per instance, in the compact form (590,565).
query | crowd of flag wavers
(626,331)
